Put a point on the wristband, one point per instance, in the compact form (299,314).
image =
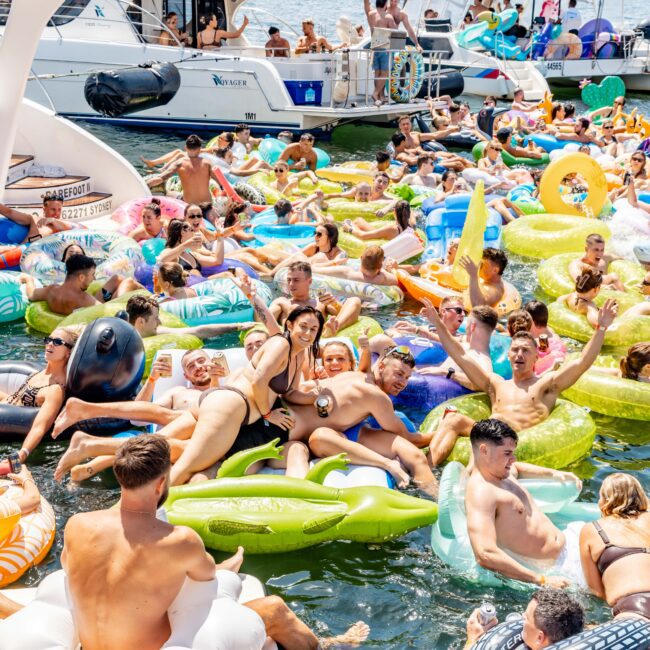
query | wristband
(151,379)
(602,328)
(26,451)
(450,372)
(541,581)
(266,417)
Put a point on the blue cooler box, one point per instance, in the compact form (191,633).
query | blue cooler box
(305,93)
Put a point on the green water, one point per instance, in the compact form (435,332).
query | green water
(406,595)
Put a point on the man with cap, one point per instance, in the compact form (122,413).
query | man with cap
(504,136)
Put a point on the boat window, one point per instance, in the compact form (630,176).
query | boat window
(64,14)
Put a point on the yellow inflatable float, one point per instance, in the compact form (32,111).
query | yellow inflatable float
(351,172)
(574,163)
(24,540)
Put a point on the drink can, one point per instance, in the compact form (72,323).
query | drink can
(167,358)
(543,341)
(487,613)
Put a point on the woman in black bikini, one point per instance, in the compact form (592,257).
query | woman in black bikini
(236,416)
(45,389)
(615,550)
(361,229)
(211,38)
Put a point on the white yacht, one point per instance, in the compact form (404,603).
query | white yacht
(218,88)
(42,153)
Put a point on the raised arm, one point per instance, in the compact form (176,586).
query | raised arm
(33,292)
(21,218)
(475,373)
(570,372)
(262,312)
(476,295)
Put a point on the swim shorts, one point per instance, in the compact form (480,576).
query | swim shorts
(380,60)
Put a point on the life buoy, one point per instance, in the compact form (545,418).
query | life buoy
(407,75)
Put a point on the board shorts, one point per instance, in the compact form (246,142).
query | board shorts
(380,60)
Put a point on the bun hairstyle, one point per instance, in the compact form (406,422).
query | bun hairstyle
(588,280)
(519,321)
(154,206)
(174,274)
(637,357)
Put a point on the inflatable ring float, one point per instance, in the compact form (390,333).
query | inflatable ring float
(573,163)
(271,149)
(523,197)
(406,75)
(609,394)
(347,174)
(10,260)
(271,513)
(24,540)
(129,215)
(566,435)
(218,301)
(543,235)
(554,278)
(341,209)
(262,183)
(625,331)
(13,299)
(509,160)
(354,331)
(369,293)
(449,538)
(114,253)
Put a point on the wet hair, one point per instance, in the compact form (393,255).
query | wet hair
(538,312)
(589,279)
(557,614)
(193,142)
(493,431)
(382,156)
(485,315)
(621,495)
(141,460)
(174,232)
(524,336)
(64,255)
(497,256)
(380,4)
(304,267)
(233,210)
(594,238)
(49,197)
(308,137)
(519,320)
(403,214)
(332,233)
(296,313)
(372,258)
(273,30)
(329,344)
(242,127)
(584,122)
(637,357)
(141,307)
(397,139)
(174,274)
(78,264)
(282,208)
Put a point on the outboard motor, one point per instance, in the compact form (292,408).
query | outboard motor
(107,363)
(644,28)
(128,90)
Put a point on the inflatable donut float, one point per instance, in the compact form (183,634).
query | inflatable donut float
(129,215)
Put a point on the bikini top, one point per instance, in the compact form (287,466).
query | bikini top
(26,395)
(613,553)
(187,266)
(280,383)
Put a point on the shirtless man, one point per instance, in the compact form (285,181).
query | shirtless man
(504,137)
(363,193)
(518,103)
(113,557)
(523,401)
(383,163)
(72,294)
(50,223)
(310,41)
(424,175)
(144,315)
(277,46)
(301,155)
(194,173)
(412,145)
(338,315)
(370,270)
(379,18)
(596,258)
(580,133)
(504,521)
(485,281)
(400,16)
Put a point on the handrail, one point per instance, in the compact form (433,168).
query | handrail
(256,10)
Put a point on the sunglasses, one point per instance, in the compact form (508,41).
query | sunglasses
(194,216)
(402,352)
(57,342)
(318,235)
(608,126)
(639,160)
(185,228)
(279,170)
(458,310)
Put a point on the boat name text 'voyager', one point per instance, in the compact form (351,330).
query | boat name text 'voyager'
(230,83)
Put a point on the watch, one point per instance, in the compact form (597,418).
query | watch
(450,372)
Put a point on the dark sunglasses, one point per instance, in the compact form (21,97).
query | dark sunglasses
(195,216)
(608,126)
(318,234)
(638,160)
(458,310)
(186,227)
(277,170)
(57,342)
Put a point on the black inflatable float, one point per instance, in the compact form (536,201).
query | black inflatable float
(128,90)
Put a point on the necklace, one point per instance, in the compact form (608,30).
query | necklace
(137,512)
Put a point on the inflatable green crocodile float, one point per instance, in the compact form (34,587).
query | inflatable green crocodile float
(272,514)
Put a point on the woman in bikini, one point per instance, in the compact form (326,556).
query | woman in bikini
(361,229)
(172,283)
(45,389)
(615,550)
(211,38)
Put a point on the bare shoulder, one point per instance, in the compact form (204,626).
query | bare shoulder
(185,540)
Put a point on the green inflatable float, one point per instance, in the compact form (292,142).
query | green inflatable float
(449,538)
(566,435)
(510,160)
(272,514)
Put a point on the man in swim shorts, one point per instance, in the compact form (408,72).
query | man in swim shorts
(523,401)
(113,558)
(552,616)
(72,294)
(596,258)
(337,315)
(509,533)
(48,224)
(380,22)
